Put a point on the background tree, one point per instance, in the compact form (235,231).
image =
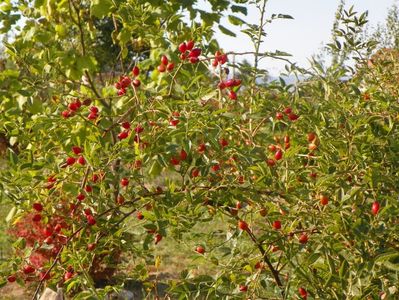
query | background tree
(387,34)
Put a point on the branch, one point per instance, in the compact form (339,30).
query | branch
(57,258)
(266,259)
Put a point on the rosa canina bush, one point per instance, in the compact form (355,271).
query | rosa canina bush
(282,191)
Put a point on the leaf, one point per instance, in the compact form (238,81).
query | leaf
(86,63)
(281,16)
(149,216)
(391,266)
(235,20)
(11,214)
(72,283)
(100,8)
(209,18)
(386,256)
(155,168)
(36,106)
(226,31)
(240,9)
(124,36)
(279,53)
(13,158)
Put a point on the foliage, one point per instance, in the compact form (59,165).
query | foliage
(301,180)
(388,34)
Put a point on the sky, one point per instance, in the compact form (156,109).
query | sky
(305,35)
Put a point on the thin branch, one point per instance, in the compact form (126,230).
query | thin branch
(266,259)
(57,258)
(174,78)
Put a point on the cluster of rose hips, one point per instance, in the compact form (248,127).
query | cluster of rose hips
(173,121)
(220,59)
(50,233)
(303,238)
(32,230)
(231,84)
(136,72)
(123,83)
(126,131)
(288,112)
(187,50)
(72,160)
(165,65)
(47,234)
(81,196)
(175,160)
(278,150)
(93,113)
(73,107)
(89,217)
(157,236)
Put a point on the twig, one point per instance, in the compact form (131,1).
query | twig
(266,259)
(57,258)
(120,119)
(174,78)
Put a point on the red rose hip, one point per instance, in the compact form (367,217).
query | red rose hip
(375,207)
(277,225)
(200,250)
(243,225)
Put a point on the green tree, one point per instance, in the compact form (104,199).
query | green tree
(387,34)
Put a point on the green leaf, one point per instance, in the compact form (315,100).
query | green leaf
(226,31)
(13,158)
(281,16)
(11,214)
(235,20)
(155,168)
(36,106)
(209,18)
(72,283)
(240,9)
(3,283)
(124,36)
(100,8)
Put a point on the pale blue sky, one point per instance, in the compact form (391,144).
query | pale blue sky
(303,36)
